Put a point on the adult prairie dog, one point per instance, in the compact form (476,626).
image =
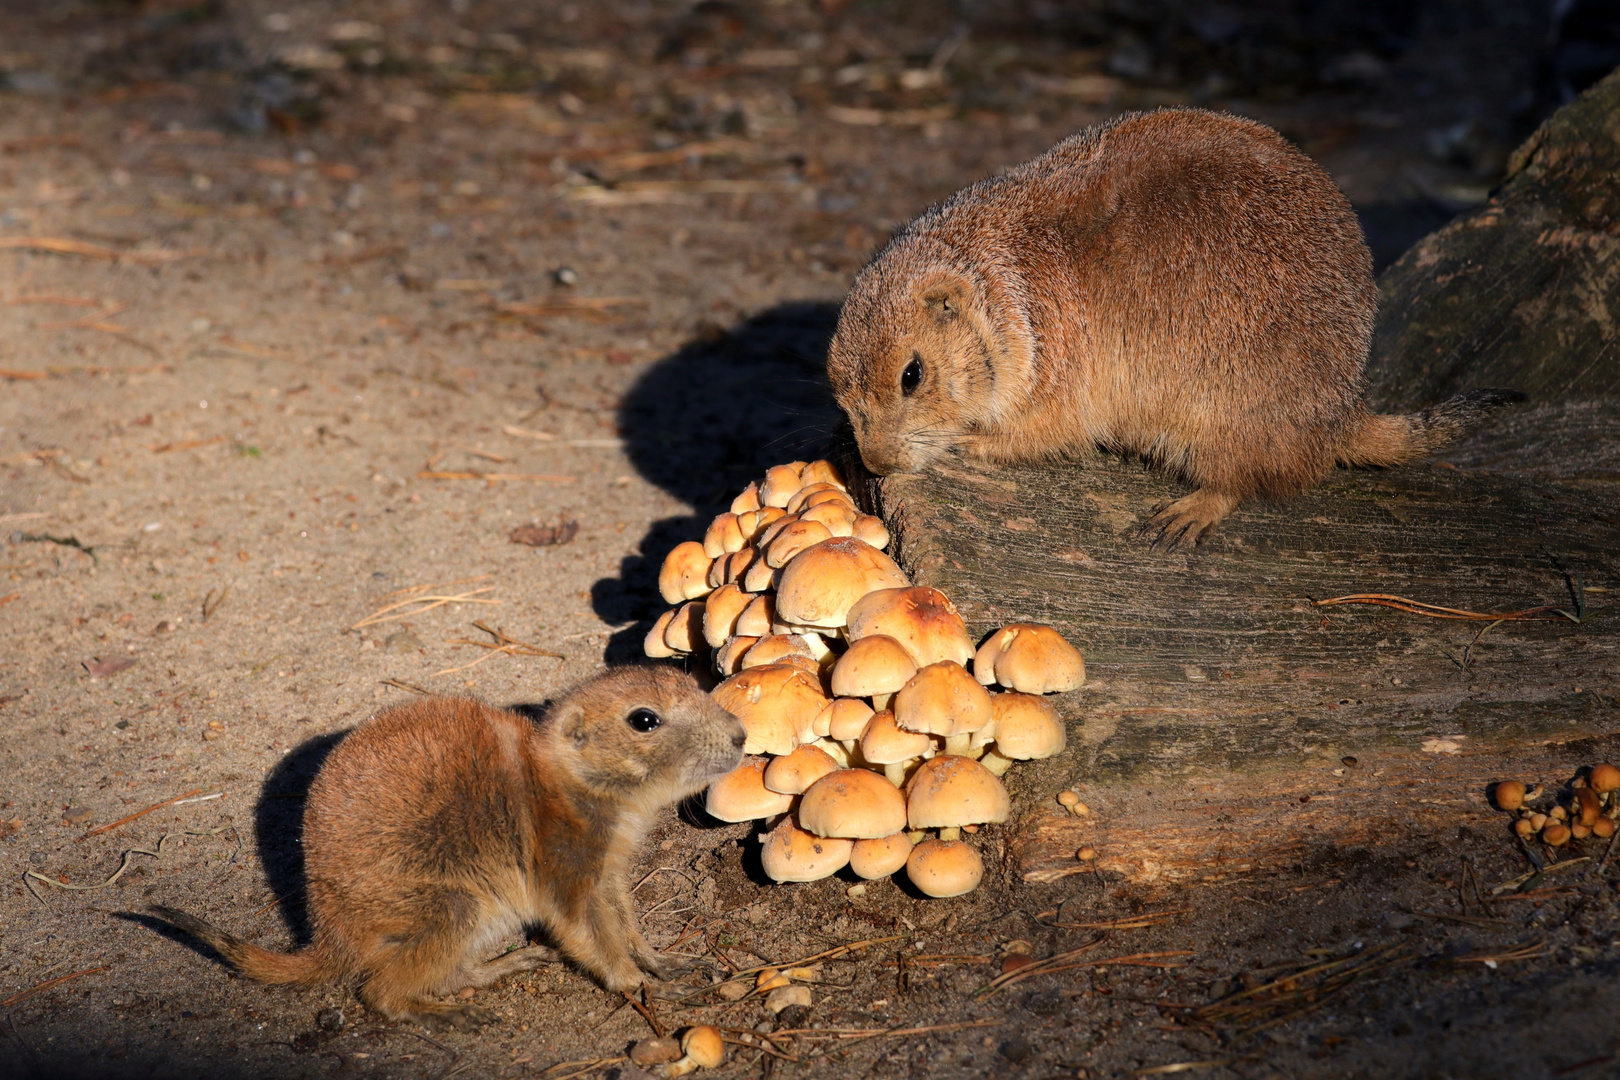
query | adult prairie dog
(437,829)
(1180,285)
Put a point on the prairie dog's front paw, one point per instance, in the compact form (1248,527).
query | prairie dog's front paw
(1185,522)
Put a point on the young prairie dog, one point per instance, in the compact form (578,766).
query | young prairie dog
(438,828)
(1180,285)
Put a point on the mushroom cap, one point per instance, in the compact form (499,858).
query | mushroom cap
(685,630)
(801,498)
(653,644)
(781,482)
(1026,726)
(838,517)
(921,619)
(794,772)
(818,586)
(884,743)
(724,536)
(949,791)
(728,568)
(774,649)
(945,867)
(854,803)
(759,576)
(756,618)
(872,530)
(721,609)
(791,854)
(873,665)
(846,718)
(728,657)
(792,539)
(774,703)
(880,856)
(703,1045)
(1031,659)
(823,471)
(747,501)
(741,794)
(1509,794)
(1604,778)
(942,699)
(685,573)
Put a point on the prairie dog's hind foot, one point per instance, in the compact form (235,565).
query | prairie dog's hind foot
(441,1015)
(1185,522)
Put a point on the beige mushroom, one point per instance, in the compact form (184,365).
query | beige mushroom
(854,803)
(839,518)
(1026,728)
(776,648)
(818,586)
(728,657)
(846,718)
(943,699)
(748,501)
(781,484)
(800,500)
(685,573)
(792,539)
(823,471)
(755,620)
(1604,778)
(880,856)
(721,609)
(947,792)
(921,619)
(703,1049)
(872,530)
(653,644)
(774,703)
(741,794)
(794,772)
(943,868)
(873,667)
(729,568)
(792,854)
(723,536)
(760,575)
(1031,659)
(885,744)
(684,633)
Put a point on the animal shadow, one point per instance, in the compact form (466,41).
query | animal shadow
(279,821)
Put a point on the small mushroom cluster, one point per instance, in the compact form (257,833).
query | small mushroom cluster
(1588,807)
(868,712)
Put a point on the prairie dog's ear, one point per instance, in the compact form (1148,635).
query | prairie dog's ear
(570,721)
(946,299)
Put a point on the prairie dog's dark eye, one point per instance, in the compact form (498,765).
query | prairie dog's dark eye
(911,378)
(644,721)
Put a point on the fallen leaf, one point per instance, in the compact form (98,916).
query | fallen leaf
(110,666)
(545,535)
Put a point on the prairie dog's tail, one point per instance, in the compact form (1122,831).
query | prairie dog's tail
(302,968)
(1395,440)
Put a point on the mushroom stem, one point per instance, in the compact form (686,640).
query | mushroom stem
(950,832)
(916,836)
(880,702)
(896,773)
(996,763)
(958,744)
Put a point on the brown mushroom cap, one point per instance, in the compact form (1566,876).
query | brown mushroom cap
(847,718)
(685,573)
(873,665)
(723,537)
(872,530)
(945,867)
(942,699)
(760,575)
(776,648)
(1026,726)
(684,633)
(741,794)
(884,743)
(756,618)
(781,483)
(704,1046)
(1604,778)
(728,568)
(949,791)
(921,619)
(747,501)
(818,586)
(653,644)
(881,856)
(839,518)
(823,471)
(792,539)
(728,657)
(1031,659)
(791,774)
(801,498)
(774,703)
(792,854)
(721,609)
(854,803)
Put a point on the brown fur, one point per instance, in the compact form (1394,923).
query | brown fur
(1180,285)
(438,828)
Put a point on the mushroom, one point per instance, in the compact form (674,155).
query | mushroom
(792,539)
(723,536)
(1070,801)
(872,530)
(653,644)
(847,718)
(801,498)
(883,743)
(947,792)
(854,803)
(1029,658)
(838,517)
(921,619)
(1588,806)
(880,856)
(1604,778)
(774,703)
(818,586)
(721,609)
(781,483)
(943,699)
(703,1049)
(755,620)
(748,501)
(792,854)
(685,573)
(684,633)
(741,794)
(775,648)
(791,774)
(1555,834)
(1508,794)
(1026,728)
(1603,828)
(944,867)
(785,997)
(760,575)
(729,568)
(874,667)
(823,471)
(728,657)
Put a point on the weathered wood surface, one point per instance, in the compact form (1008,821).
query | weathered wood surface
(1215,681)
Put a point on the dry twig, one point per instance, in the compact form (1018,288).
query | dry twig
(17,999)
(1417,607)
(138,814)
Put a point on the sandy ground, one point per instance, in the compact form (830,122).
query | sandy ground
(350,291)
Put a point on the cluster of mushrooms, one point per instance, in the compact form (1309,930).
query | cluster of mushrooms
(1587,808)
(868,715)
